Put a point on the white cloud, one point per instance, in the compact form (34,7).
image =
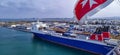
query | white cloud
(36,8)
(47,8)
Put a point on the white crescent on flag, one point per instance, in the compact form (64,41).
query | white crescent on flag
(85,8)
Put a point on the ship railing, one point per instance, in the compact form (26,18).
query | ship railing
(116,50)
(61,36)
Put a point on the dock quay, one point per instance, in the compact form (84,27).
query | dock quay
(26,25)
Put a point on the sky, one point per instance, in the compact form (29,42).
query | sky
(48,9)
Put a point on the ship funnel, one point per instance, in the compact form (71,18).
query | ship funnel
(106,33)
(101,33)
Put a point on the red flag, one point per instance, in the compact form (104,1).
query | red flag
(89,7)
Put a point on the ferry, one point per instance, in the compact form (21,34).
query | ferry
(75,37)
(95,39)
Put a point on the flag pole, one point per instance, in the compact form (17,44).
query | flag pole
(78,22)
(81,22)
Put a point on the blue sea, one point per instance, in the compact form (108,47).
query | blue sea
(14,42)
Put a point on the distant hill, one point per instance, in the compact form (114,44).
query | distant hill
(108,18)
(56,19)
(41,19)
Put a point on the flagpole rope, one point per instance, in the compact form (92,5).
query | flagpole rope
(118,1)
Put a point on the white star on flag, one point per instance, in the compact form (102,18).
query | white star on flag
(91,3)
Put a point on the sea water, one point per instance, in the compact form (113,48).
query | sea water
(14,42)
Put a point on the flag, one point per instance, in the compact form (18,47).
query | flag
(86,8)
